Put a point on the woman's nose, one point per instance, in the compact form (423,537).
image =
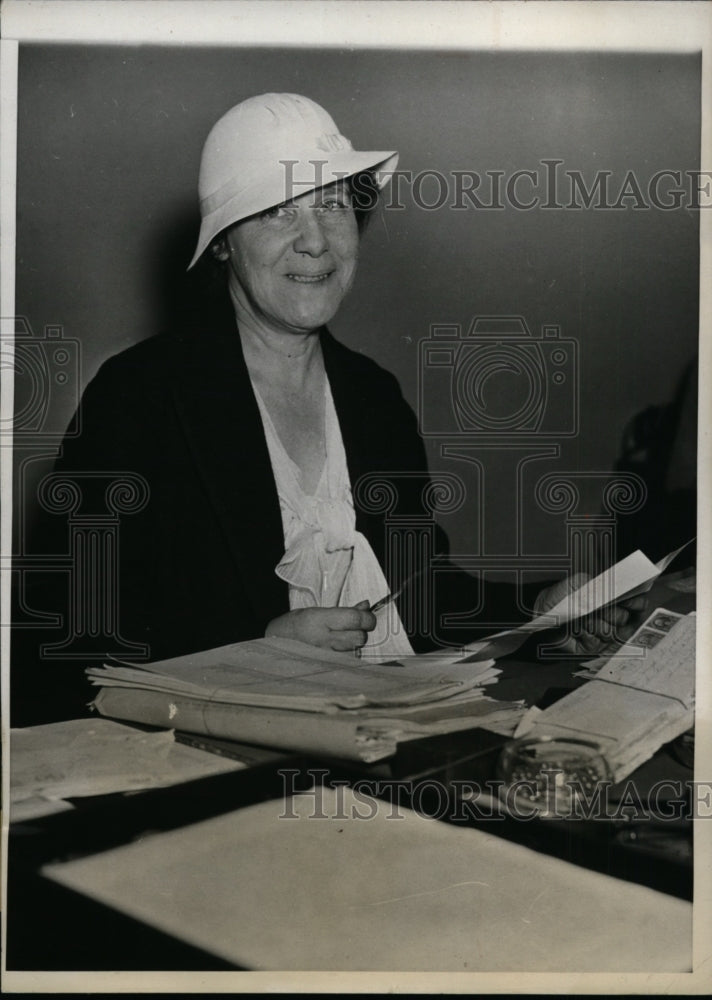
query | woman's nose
(310,238)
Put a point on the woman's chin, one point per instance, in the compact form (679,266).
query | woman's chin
(306,320)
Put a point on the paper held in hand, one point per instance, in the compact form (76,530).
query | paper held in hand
(628,578)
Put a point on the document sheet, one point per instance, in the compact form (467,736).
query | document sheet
(52,763)
(307,884)
(628,578)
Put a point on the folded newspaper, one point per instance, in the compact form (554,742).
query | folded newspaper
(285,694)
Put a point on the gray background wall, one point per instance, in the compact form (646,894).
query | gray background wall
(109,141)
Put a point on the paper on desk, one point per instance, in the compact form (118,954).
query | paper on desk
(653,630)
(97,757)
(37,807)
(634,705)
(446,666)
(283,673)
(667,667)
(455,714)
(627,724)
(367,734)
(414,894)
(628,578)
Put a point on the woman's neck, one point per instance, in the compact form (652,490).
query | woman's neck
(273,354)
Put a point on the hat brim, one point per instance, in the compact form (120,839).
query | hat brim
(292,179)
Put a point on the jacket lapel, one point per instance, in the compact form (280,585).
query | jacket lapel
(223,427)
(354,408)
(349,407)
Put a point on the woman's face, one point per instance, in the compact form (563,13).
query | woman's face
(292,265)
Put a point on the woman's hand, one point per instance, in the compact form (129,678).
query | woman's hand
(614,623)
(340,629)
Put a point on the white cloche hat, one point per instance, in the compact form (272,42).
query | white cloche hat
(270,149)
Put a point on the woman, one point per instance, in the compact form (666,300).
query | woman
(289,262)
(252,430)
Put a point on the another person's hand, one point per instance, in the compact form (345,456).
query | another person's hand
(587,636)
(340,629)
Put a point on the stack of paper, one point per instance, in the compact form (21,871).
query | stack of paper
(284,673)
(635,704)
(282,693)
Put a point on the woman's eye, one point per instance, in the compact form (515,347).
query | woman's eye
(286,213)
(335,204)
(277,212)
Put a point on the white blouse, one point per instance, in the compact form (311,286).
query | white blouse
(327,563)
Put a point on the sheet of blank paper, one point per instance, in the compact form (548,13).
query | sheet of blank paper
(344,884)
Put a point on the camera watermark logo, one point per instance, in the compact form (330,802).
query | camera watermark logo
(498,379)
(47,378)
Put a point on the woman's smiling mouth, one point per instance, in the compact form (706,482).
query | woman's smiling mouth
(309,279)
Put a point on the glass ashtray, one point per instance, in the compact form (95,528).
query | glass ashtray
(549,775)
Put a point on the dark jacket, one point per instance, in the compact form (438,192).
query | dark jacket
(196,564)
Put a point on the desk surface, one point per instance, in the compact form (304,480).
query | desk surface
(248,889)
(342,882)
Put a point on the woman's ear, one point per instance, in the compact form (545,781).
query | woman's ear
(220,250)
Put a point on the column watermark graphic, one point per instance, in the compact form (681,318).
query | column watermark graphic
(93,559)
(408,502)
(86,508)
